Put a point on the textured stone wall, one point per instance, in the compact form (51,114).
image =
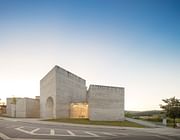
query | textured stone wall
(8,108)
(59,89)
(24,107)
(48,90)
(106,103)
(32,108)
(21,108)
(64,87)
(16,107)
(70,89)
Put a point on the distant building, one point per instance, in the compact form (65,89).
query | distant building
(23,107)
(64,95)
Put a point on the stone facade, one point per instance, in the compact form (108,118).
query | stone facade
(23,107)
(61,88)
(64,95)
(106,103)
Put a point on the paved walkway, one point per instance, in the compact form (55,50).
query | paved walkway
(145,123)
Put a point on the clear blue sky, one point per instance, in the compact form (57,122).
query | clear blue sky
(129,43)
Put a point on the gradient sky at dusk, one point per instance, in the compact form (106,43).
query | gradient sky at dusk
(130,43)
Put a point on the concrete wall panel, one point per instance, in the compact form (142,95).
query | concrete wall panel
(20,108)
(23,107)
(64,87)
(32,108)
(106,103)
(70,89)
(48,89)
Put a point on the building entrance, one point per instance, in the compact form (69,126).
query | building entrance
(79,110)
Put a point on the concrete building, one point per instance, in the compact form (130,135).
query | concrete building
(23,107)
(106,103)
(64,95)
(58,89)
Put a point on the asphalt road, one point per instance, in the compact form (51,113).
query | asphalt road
(24,130)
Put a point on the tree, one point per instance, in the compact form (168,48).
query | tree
(172,108)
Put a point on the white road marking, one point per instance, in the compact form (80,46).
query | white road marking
(109,134)
(52,132)
(123,134)
(20,129)
(92,134)
(71,133)
(35,130)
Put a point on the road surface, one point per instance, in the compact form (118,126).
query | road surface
(18,130)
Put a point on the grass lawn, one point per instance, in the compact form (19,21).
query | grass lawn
(87,121)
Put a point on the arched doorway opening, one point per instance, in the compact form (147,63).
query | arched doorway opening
(49,107)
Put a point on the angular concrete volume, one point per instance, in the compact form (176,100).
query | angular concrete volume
(106,103)
(62,91)
(23,107)
(64,95)
(60,88)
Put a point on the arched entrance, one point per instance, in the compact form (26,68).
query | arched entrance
(49,107)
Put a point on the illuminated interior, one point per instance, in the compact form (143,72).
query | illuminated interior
(79,110)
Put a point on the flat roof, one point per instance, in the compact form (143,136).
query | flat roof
(103,86)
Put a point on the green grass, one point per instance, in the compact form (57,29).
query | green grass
(108,123)
(170,122)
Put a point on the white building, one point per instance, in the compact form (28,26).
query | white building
(23,107)
(64,95)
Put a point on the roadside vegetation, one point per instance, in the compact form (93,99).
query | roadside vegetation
(108,123)
(171,111)
(154,116)
(157,119)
